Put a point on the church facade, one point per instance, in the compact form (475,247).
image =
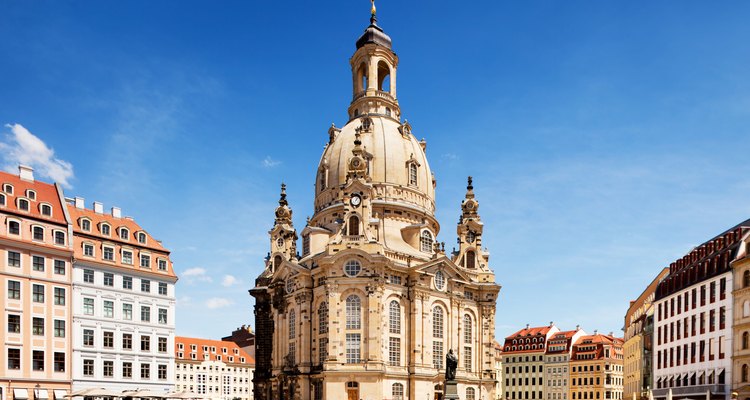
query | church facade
(372,303)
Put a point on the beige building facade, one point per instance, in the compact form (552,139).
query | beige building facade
(214,369)
(741,317)
(35,282)
(373,303)
(523,359)
(596,368)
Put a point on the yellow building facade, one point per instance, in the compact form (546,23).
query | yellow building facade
(596,368)
(741,320)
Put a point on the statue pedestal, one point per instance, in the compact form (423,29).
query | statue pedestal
(451,390)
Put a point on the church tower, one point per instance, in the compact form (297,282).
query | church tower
(372,304)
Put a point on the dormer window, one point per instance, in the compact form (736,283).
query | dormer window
(8,188)
(106,229)
(145,261)
(124,234)
(162,264)
(86,225)
(2,199)
(31,194)
(23,204)
(425,241)
(413,174)
(46,210)
(141,237)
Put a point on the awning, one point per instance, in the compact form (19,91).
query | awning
(41,394)
(20,394)
(59,394)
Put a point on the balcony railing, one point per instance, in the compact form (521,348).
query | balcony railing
(378,93)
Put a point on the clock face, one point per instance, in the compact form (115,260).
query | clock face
(470,237)
(355,201)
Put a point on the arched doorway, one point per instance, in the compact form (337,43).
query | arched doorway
(439,391)
(352,391)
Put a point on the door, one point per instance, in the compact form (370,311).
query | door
(352,391)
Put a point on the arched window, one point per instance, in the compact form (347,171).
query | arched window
(413,173)
(746,309)
(467,328)
(384,77)
(124,234)
(437,322)
(2,199)
(744,372)
(46,210)
(323,317)
(362,77)
(276,262)
(397,391)
(105,229)
(322,179)
(470,395)
(14,228)
(38,233)
(745,340)
(86,225)
(470,259)
(141,237)
(746,279)
(23,204)
(394,317)
(292,324)
(353,312)
(425,241)
(353,226)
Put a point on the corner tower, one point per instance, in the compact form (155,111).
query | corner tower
(372,304)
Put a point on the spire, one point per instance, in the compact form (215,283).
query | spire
(469,206)
(283,212)
(373,10)
(470,188)
(282,199)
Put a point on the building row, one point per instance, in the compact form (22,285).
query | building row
(687,333)
(547,363)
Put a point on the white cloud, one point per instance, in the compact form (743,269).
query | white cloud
(269,162)
(229,280)
(218,302)
(450,156)
(23,147)
(196,274)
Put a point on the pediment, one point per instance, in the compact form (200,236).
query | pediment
(444,264)
(287,270)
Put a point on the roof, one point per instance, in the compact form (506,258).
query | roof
(540,330)
(45,193)
(565,336)
(374,34)
(597,341)
(213,349)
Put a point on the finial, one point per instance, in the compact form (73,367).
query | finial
(282,199)
(469,186)
(373,10)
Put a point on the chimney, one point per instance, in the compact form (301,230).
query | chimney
(596,332)
(578,327)
(98,207)
(551,323)
(79,203)
(611,334)
(25,172)
(527,326)
(116,212)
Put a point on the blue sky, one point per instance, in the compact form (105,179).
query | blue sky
(606,138)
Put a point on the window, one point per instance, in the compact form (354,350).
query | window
(31,194)
(437,354)
(14,358)
(394,317)
(88,275)
(127,311)
(60,238)
(145,285)
(23,204)
(141,237)
(145,313)
(145,261)
(2,199)
(127,282)
(108,253)
(109,279)
(467,358)
(37,360)
(162,288)
(127,341)
(37,233)
(14,228)
(162,345)
(439,280)
(292,354)
(86,225)
(145,371)
(292,325)
(323,353)
(162,264)
(59,267)
(124,234)
(127,370)
(163,316)
(14,323)
(323,317)
(352,268)
(88,249)
(14,259)
(413,174)
(394,351)
(59,296)
(37,326)
(470,394)
(59,328)
(437,322)
(108,369)
(397,391)
(353,342)
(106,229)
(37,263)
(162,370)
(38,293)
(108,339)
(470,259)
(8,188)
(467,328)
(127,257)
(145,343)
(46,210)
(14,290)
(88,306)
(88,337)
(59,362)
(353,312)
(109,309)
(425,242)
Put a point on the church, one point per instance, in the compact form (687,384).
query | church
(372,303)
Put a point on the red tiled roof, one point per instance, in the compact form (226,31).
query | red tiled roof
(45,193)
(218,347)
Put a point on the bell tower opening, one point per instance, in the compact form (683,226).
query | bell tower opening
(384,77)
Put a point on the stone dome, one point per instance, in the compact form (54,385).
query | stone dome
(393,156)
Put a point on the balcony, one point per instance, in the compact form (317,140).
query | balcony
(378,93)
(698,391)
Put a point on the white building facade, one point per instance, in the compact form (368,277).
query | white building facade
(123,304)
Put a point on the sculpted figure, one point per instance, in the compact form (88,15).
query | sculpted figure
(451,362)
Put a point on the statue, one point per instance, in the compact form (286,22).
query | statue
(451,362)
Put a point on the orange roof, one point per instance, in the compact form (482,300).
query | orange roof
(115,223)
(537,336)
(540,330)
(45,193)
(211,348)
(597,341)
